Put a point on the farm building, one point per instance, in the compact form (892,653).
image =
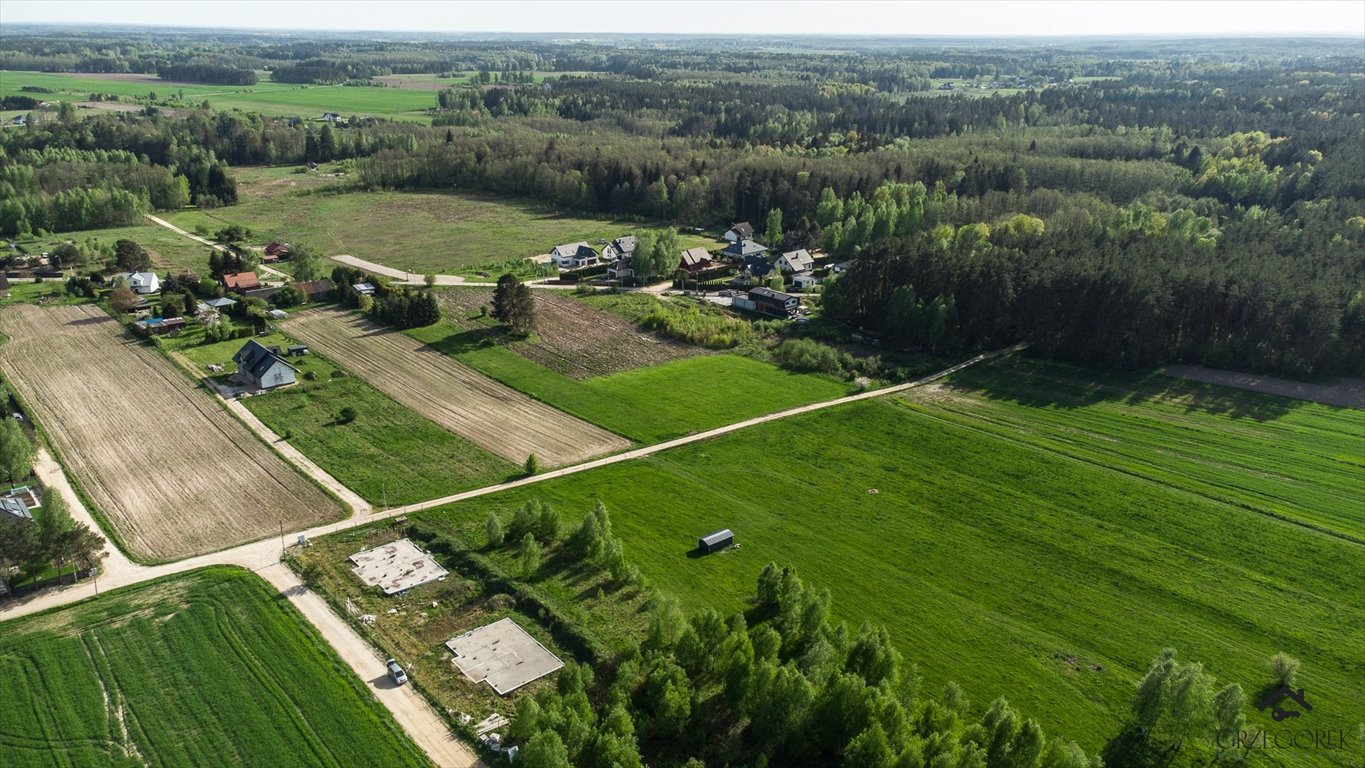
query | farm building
(620,248)
(158,326)
(695,260)
(240,281)
(143,283)
(573,255)
(739,232)
(260,368)
(714,542)
(744,249)
(316,290)
(768,302)
(264,292)
(796,261)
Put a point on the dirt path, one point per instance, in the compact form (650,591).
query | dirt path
(413,278)
(1346,393)
(411,711)
(211,244)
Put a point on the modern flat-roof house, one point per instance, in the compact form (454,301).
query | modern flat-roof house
(804,281)
(695,260)
(240,282)
(766,301)
(260,368)
(574,256)
(714,542)
(792,262)
(741,231)
(143,283)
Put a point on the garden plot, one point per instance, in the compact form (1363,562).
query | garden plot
(171,470)
(502,655)
(457,397)
(396,567)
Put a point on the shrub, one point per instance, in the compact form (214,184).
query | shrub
(311,375)
(532,464)
(807,355)
(347,415)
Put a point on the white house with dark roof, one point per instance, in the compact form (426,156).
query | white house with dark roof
(796,261)
(260,368)
(620,248)
(741,231)
(143,283)
(574,255)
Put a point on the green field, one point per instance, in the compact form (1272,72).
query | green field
(169,250)
(651,404)
(265,97)
(1014,536)
(389,454)
(209,668)
(413,231)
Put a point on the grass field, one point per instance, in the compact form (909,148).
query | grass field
(649,404)
(1001,532)
(389,454)
(418,232)
(173,473)
(209,668)
(169,250)
(265,97)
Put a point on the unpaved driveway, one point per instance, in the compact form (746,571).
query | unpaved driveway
(1345,393)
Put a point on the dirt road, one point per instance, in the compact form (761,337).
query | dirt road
(1345,393)
(411,711)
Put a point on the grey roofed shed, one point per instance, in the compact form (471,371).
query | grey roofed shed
(713,542)
(14,509)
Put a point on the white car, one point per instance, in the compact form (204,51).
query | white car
(396,672)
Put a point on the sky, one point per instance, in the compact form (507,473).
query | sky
(857,17)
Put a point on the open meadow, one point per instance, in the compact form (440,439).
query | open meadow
(266,97)
(1030,530)
(451,394)
(171,471)
(422,232)
(169,252)
(208,668)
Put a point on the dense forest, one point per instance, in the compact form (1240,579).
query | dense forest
(1202,205)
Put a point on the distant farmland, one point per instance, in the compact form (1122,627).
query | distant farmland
(1035,531)
(209,668)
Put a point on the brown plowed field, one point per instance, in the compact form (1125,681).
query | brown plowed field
(170,469)
(451,394)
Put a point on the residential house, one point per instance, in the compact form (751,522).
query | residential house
(621,269)
(766,301)
(574,256)
(620,248)
(316,290)
(739,232)
(756,267)
(744,249)
(143,283)
(215,305)
(260,368)
(793,262)
(804,281)
(158,326)
(240,282)
(274,252)
(331,117)
(695,260)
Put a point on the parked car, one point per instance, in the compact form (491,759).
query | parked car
(396,672)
